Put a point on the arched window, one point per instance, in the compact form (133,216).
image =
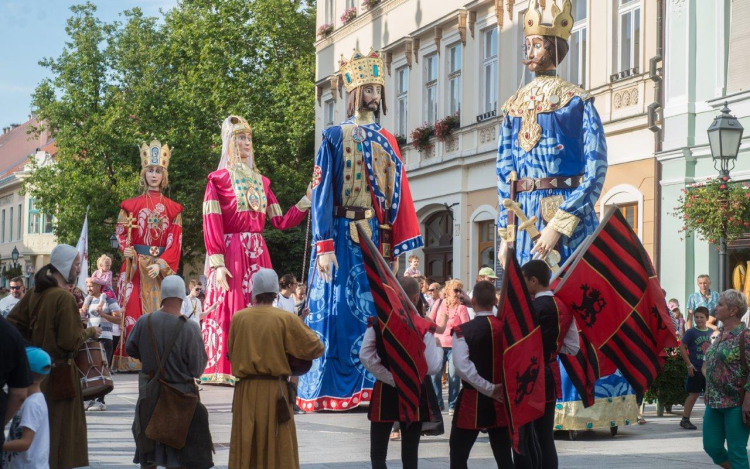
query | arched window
(438,250)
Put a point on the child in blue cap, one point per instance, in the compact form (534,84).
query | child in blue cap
(28,440)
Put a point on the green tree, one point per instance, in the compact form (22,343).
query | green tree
(117,85)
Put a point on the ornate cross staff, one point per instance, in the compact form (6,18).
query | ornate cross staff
(529,225)
(130,226)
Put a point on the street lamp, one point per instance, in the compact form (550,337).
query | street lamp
(724,137)
(114,244)
(14,255)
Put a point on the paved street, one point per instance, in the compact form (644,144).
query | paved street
(341,440)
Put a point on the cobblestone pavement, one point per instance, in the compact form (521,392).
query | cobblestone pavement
(341,440)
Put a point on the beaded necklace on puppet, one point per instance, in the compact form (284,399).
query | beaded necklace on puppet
(247,182)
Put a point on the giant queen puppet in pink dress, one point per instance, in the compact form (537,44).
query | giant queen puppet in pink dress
(237,202)
(149,230)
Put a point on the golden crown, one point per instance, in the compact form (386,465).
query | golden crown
(562,20)
(240,126)
(362,70)
(155,155)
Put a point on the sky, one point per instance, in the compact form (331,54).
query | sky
(34,29)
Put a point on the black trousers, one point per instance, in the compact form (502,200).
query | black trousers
(462,441)
(545,437)
(380,435)
(109,350)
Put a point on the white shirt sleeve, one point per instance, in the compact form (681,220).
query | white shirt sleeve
(368,355)
(571,342)
(466,369)
(432,354)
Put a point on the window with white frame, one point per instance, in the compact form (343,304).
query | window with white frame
(351,3)
(328,110)
(489,70)
(573,68)
(10,231)
(35,218)
(628,32)
(20,221)
(402,101)
(455,61)
(431,88)
(524,75)
(330,11)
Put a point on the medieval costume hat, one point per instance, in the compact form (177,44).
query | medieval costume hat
(62,258)
(172,287)
(265,281)
(562,20)
(362,70)
(155,155)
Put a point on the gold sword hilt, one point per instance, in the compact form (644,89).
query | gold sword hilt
(529,225)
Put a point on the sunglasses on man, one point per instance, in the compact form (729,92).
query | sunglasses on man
(15,288)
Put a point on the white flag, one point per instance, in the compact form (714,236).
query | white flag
(83,250)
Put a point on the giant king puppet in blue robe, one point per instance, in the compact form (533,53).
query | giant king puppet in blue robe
(358,178)
(551,164)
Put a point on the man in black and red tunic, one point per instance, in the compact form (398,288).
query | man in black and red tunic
(384,406)
(479,362)
(559,335)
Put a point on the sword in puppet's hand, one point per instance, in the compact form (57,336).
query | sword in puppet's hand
(529,225)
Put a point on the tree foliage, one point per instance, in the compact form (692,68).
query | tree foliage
(119,84)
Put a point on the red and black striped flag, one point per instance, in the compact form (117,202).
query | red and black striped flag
(402,329)
(583,369)
(523,355)
(612,289)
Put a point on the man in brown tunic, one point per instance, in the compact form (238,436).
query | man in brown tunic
(48,318)
(260,339)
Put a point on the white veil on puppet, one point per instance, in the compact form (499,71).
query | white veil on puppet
(230,155)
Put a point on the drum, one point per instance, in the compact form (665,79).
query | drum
(93,369)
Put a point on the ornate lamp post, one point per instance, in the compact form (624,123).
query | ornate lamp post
(14,255)
(724,137)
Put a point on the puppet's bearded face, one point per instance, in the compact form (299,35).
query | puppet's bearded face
(371,96)
(538,57)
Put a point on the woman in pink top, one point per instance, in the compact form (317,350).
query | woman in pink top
(457,314)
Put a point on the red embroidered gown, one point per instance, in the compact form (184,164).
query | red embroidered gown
(156,234)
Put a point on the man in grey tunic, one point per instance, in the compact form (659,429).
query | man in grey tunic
(185,363)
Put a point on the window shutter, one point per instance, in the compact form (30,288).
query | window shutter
(739,44)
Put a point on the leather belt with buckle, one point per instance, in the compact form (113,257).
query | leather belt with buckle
(353,213)
(153,251)
(561,182)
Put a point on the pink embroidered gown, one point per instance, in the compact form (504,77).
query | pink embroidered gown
(237,202)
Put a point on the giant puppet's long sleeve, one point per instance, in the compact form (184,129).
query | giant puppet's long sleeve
(322,197)
(582,201)
(169,260)
(293,216)
(406,233)
(213,226)
(504,167)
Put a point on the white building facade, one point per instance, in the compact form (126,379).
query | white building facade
(454,56)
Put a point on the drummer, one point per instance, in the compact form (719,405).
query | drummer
(103,312)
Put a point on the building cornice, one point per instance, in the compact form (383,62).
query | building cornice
(366,17)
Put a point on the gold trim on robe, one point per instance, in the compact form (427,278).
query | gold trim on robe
(564,222)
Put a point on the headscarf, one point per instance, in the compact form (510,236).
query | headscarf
(62,258)
(229,150)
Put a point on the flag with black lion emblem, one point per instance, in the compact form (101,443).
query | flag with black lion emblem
(611,287)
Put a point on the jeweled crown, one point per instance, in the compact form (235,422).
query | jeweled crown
(155,154)
(562,20)
(240,126)
(362,70)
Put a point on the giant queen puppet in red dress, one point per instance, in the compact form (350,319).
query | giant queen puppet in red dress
(149,230)
(237,203)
